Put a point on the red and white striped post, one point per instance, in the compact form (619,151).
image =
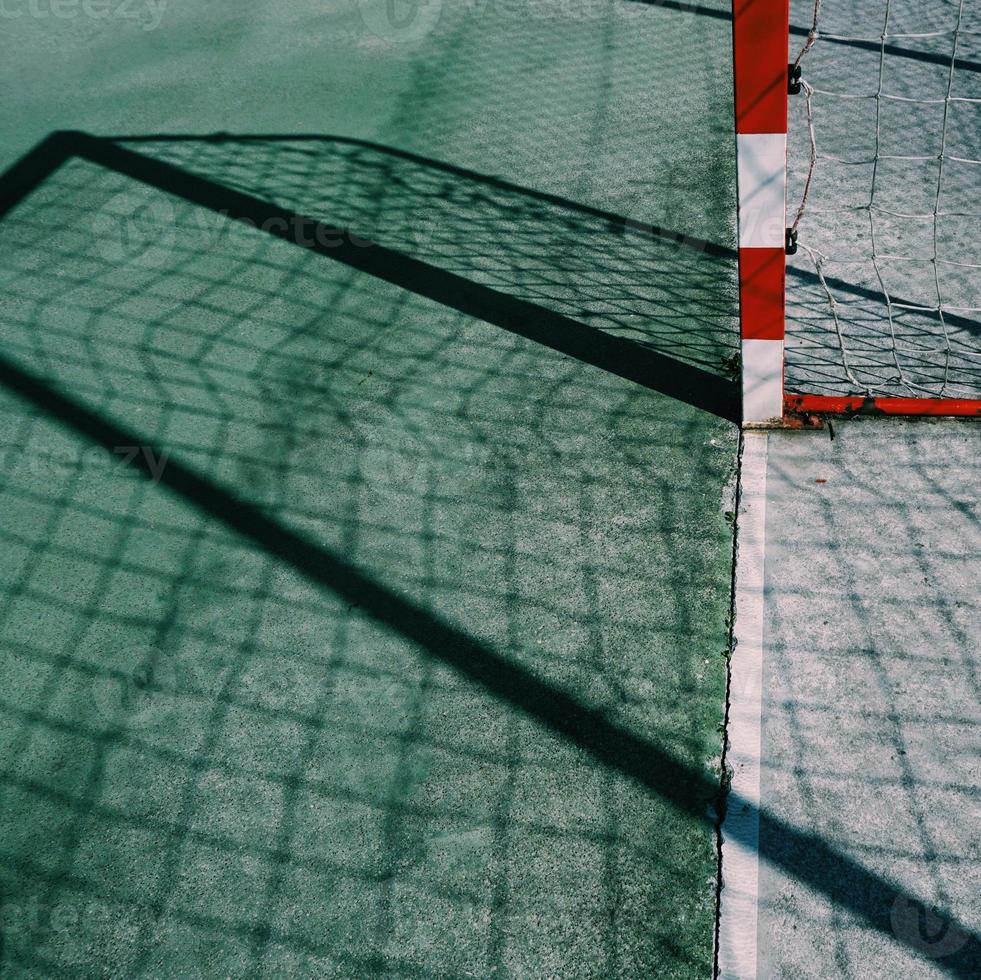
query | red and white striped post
(760,32)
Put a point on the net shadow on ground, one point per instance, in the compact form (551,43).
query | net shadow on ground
(871,701)
(669,293)
(324,694)
(335,697)
(802,853)
(642,301)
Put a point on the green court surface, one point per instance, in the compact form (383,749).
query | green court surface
(364,594)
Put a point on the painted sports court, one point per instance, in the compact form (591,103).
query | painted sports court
(390,585)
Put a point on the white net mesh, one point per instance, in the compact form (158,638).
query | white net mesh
(884,169)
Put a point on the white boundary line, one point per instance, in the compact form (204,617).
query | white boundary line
(739,898)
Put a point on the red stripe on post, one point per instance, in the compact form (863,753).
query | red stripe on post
(761,293)
(760,31)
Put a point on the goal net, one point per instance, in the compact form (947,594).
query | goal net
(883,295)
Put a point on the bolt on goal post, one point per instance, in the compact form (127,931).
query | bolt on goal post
(877,308)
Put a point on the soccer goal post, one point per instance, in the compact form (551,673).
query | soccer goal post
(858,140)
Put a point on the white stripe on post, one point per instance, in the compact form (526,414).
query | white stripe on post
(762,380)
(761,159)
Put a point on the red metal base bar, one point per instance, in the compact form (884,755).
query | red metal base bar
(860,405)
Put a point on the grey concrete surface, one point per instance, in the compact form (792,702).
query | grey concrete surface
(871,685)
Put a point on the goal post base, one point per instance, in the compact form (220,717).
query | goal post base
(811,411)
(801,406)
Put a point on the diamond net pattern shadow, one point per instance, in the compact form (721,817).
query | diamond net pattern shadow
(657,287)
(210,765)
